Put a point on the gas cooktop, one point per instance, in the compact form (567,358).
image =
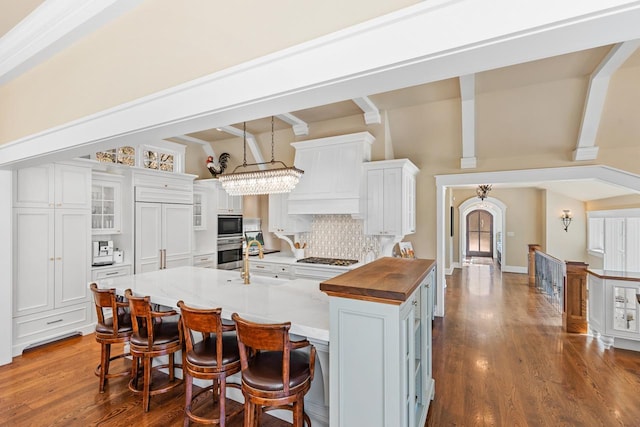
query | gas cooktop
(328,261)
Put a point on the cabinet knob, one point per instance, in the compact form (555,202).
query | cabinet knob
(415,303)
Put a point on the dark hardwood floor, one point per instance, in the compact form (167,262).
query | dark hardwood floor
(500,359)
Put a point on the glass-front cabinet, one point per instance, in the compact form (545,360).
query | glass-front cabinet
(625,309)
(105,204)
(199,211)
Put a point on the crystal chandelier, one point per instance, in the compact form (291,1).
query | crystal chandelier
(268,181)
(483,190)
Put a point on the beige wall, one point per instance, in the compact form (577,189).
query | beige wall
(611,203)
(523,221)
(570,245)
(163,43)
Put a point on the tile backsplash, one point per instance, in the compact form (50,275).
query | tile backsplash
(339,236)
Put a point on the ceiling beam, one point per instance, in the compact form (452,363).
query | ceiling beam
(586,148)
(300,127)
(468,101)
(206,146)
(251,142)
(371,112)
(52,27)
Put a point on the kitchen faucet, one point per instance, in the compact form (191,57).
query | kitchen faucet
(245,266)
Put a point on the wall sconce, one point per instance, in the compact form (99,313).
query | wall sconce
(566,218)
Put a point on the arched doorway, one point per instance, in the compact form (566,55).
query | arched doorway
(480,233)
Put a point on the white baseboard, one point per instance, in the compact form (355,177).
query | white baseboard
(514,269)
(449,271)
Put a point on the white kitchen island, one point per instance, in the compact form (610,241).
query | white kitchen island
(266,300)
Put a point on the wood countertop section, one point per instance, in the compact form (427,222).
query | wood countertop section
(386,280)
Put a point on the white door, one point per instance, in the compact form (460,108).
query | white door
(177,232)
(72,259)
(614,244)
(148,236)
(34,260)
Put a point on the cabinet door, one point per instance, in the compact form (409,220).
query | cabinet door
(632,245)
(199,211)
(375,202)
(409,204)
(408,330)
(279,219)
(72,259)
(34,261)
(106,207)
(72,187)
(236,204)
(177,234)
(34,187)
(148,236)
(614,243)
(392,204)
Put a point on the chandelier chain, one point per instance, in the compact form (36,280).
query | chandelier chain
(272,150)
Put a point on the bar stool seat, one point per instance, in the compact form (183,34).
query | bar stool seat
(113,327)
(276,372)
(153,335)
(214,357)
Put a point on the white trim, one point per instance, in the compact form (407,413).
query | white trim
(603,173)
(453,266)
(206,146)
(299,126)
(251,142)
(6,267)
(468,107)
(492,205)
(400,49)
(586,148)
(514,269)
(52,27)
(371,112)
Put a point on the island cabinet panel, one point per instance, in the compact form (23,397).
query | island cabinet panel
(380,360)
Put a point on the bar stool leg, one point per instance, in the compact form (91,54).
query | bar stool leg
(104,365)
(146,393)
(188,392)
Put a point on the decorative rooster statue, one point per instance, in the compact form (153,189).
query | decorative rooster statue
(216,168)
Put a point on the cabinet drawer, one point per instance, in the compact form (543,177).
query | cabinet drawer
(110,272)
(261,268)
(47,324)
(205,260)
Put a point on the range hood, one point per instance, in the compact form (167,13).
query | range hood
(333,175)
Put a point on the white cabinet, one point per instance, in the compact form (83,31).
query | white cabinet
(266,268)
(317,272)
(614,314)
(99,273)
(391,197)
(163,236)
(207,260)
(615,235)
(199,210)
(52,185)
(280,221)
(106,204)
(227,204)
(52,255)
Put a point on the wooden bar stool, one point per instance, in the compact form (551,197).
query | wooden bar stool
(152,336)
(214,357)
(112,329)
(276,373)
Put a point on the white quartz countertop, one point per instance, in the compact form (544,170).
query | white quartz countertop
(267,300)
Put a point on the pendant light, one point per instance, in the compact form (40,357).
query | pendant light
(268,181)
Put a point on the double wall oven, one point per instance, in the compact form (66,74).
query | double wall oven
(229,242)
